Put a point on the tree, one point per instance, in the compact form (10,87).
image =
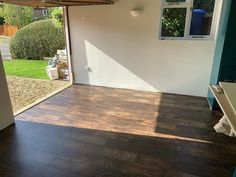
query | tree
(18,15)
(173,22)
(1,15)
(207,5)
(57,16)
(173,19)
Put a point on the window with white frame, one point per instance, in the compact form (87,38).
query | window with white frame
(183,19)
(45,12)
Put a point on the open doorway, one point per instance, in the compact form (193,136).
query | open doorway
(34,55)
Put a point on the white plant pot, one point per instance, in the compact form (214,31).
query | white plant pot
(52,73)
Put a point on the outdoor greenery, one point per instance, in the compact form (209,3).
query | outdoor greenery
(2,20)
(21,16)
(26,68)
(207,5)
(37,40)
(18,16)
(173,22)
(57,16)
(173,19)
(1,15)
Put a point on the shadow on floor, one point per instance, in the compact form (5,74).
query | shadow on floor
(191,118)
(33,149)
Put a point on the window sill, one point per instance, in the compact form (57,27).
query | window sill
(187,38)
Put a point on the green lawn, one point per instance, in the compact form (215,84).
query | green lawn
(26,68)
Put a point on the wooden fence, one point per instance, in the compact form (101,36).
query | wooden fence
(8,30)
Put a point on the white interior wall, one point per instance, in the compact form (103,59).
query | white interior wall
(6,114)
(125,52)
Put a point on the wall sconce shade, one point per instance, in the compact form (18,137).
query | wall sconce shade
(136,12)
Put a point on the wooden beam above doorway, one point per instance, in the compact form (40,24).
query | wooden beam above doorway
(57,3)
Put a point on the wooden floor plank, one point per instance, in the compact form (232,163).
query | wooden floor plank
(102,132)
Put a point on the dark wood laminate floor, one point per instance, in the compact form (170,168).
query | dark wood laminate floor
(101,132)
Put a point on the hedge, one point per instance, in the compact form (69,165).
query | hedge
(37,40)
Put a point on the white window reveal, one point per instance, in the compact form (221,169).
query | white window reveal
(187,19)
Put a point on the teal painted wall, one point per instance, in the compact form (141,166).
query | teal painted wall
(234,175)
(220,41)
(228,62)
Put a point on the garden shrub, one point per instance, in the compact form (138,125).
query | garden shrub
(2,20)
(57,16)
(37,40)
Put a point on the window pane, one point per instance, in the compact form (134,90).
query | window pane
(202,15)
(170,1)
(173,22)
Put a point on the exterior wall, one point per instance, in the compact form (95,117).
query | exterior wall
(126,52)
(38,12)
(6,114)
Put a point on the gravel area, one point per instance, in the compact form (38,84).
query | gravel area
(25,91)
